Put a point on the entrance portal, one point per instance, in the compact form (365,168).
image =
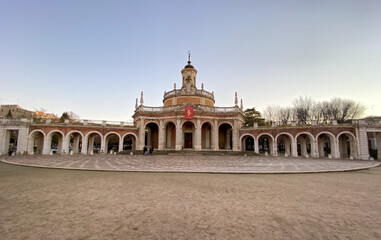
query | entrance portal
(188,140)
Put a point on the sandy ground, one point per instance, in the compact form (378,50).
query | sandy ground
(66,204)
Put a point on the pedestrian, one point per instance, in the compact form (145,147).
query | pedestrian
(10,151)
(151,151)
(145,150)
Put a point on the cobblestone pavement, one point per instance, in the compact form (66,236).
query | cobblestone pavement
(207,164)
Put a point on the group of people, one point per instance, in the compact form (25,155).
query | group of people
(147,151)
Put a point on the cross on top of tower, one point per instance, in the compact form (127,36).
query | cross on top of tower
(189,61)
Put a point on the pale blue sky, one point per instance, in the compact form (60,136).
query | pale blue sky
(94,57)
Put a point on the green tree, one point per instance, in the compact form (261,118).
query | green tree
(253,116)
(64,116)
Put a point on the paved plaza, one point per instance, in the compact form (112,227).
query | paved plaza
(186,163)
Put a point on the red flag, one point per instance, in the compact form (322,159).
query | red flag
(189,112)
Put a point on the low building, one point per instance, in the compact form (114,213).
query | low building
(188,120)
(14,111)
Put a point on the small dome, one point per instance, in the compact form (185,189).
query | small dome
(188,66)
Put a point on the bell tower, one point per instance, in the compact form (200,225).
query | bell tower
(189,75)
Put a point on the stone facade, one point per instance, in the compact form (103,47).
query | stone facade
(188,120)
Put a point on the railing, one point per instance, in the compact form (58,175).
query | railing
(177,109)
(66,122)
(179,92)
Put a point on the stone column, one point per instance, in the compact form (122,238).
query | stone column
(378,139)
(335,148)
(22,140)
(47,145)
(235,136)
(149,138)
(287,146)
(141,135)
(91,144)
(103,145)
(321,148)
(256,146)
(161,136)
(84,145)
(66,144)
(75,144)
(179,135)
(294,148)
(215,136)
(197,145)
(303,146)
(7,140)
(120,148)
(274,148)
(314,148)
(2,140)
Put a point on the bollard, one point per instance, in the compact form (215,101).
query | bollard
(71,152)
(329,156)
(266,154)
(131,153)
(51,152)
(285,155)
(91,152)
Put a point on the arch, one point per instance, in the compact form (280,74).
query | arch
(37,130)
(110,144)
(207,121)
(347,147)
(55,147)
(345,132)
(326,148)
(151,134)
(55,131)
(285,144)
(168,122)
(91,132)
(76,145)
(169,135)
(325,132)
(36,142)
(74,131)
(90,144)
(129,145)
(305,147)
(244,144)
(285,133)
(268,134)
(112,132)
(225,139)
(145,125)
(187,121)
(130,133)
(266,145)
(306,133)
(225,122)
(206,135)
(188,134)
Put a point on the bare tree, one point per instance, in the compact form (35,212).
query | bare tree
(302,107)
(305,110)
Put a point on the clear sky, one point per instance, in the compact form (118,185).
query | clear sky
(94,57)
